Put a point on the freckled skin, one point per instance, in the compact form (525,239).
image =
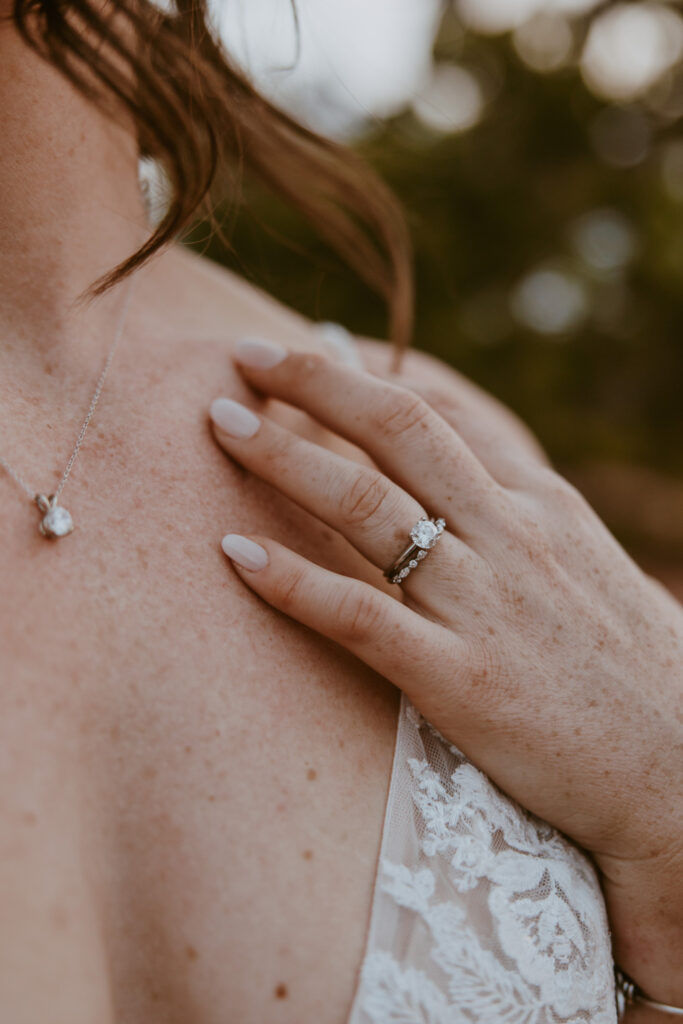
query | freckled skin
(155,720)
(536,643)
(155,724)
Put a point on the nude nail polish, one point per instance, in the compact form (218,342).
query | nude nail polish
(259,354)
(245,552)
(234,418)
(341,344)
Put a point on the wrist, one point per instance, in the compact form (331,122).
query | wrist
(645,910)
(632,1001)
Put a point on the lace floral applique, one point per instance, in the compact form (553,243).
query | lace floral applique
(400,995)
(483,914)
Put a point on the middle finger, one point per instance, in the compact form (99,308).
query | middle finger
(404,436)
(372,512)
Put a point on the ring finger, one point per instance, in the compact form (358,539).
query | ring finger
(362,504)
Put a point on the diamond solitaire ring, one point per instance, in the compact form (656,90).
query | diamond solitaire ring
(423,537)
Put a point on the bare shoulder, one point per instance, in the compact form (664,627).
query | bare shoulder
(198,299)
(208,303)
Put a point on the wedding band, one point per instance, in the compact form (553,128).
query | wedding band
(423,537)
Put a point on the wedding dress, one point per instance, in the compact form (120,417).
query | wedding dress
(482,913)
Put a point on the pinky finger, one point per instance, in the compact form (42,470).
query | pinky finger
(398,643)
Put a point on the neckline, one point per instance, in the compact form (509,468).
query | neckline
(352,1016)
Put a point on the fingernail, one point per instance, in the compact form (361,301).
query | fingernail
(245,552)
(262,355)
(234,418)
(341,344)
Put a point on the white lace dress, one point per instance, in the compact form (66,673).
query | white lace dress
(482,913)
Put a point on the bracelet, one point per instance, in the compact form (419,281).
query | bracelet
(628,993)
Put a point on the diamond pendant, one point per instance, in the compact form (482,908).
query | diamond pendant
(56,521)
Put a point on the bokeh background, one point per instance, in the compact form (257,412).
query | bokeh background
(537,146)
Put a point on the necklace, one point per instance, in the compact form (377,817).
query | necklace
(56,520)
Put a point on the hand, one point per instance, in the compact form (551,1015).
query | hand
(527,636)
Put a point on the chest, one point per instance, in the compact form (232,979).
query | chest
(232,768)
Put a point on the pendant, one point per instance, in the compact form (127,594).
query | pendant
(56,521)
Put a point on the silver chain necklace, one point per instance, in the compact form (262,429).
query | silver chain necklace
(56,520)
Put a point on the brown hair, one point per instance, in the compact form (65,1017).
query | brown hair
(197,114)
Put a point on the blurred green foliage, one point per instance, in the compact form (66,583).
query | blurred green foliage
(488,206)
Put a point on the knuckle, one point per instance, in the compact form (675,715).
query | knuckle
(276,446)
(289,588)
(360,616)
(366,499)
(305,367)
(441,401)
(571,499)
(403,413)
(536,541)
(538,562)
(524,533)
(554,490)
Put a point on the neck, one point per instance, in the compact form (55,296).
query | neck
(70,210)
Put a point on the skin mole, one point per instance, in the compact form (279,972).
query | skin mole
(281,991)
(307,855)
(191,953)
(311,774)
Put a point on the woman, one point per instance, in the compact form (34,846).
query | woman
(193,786)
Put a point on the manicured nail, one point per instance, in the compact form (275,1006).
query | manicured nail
(262,355)
(340,343)
(234,418)
(245,552)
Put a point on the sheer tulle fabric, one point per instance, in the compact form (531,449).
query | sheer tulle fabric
(482,913)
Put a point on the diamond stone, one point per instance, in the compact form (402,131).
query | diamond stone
(57,522)
(424,534)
